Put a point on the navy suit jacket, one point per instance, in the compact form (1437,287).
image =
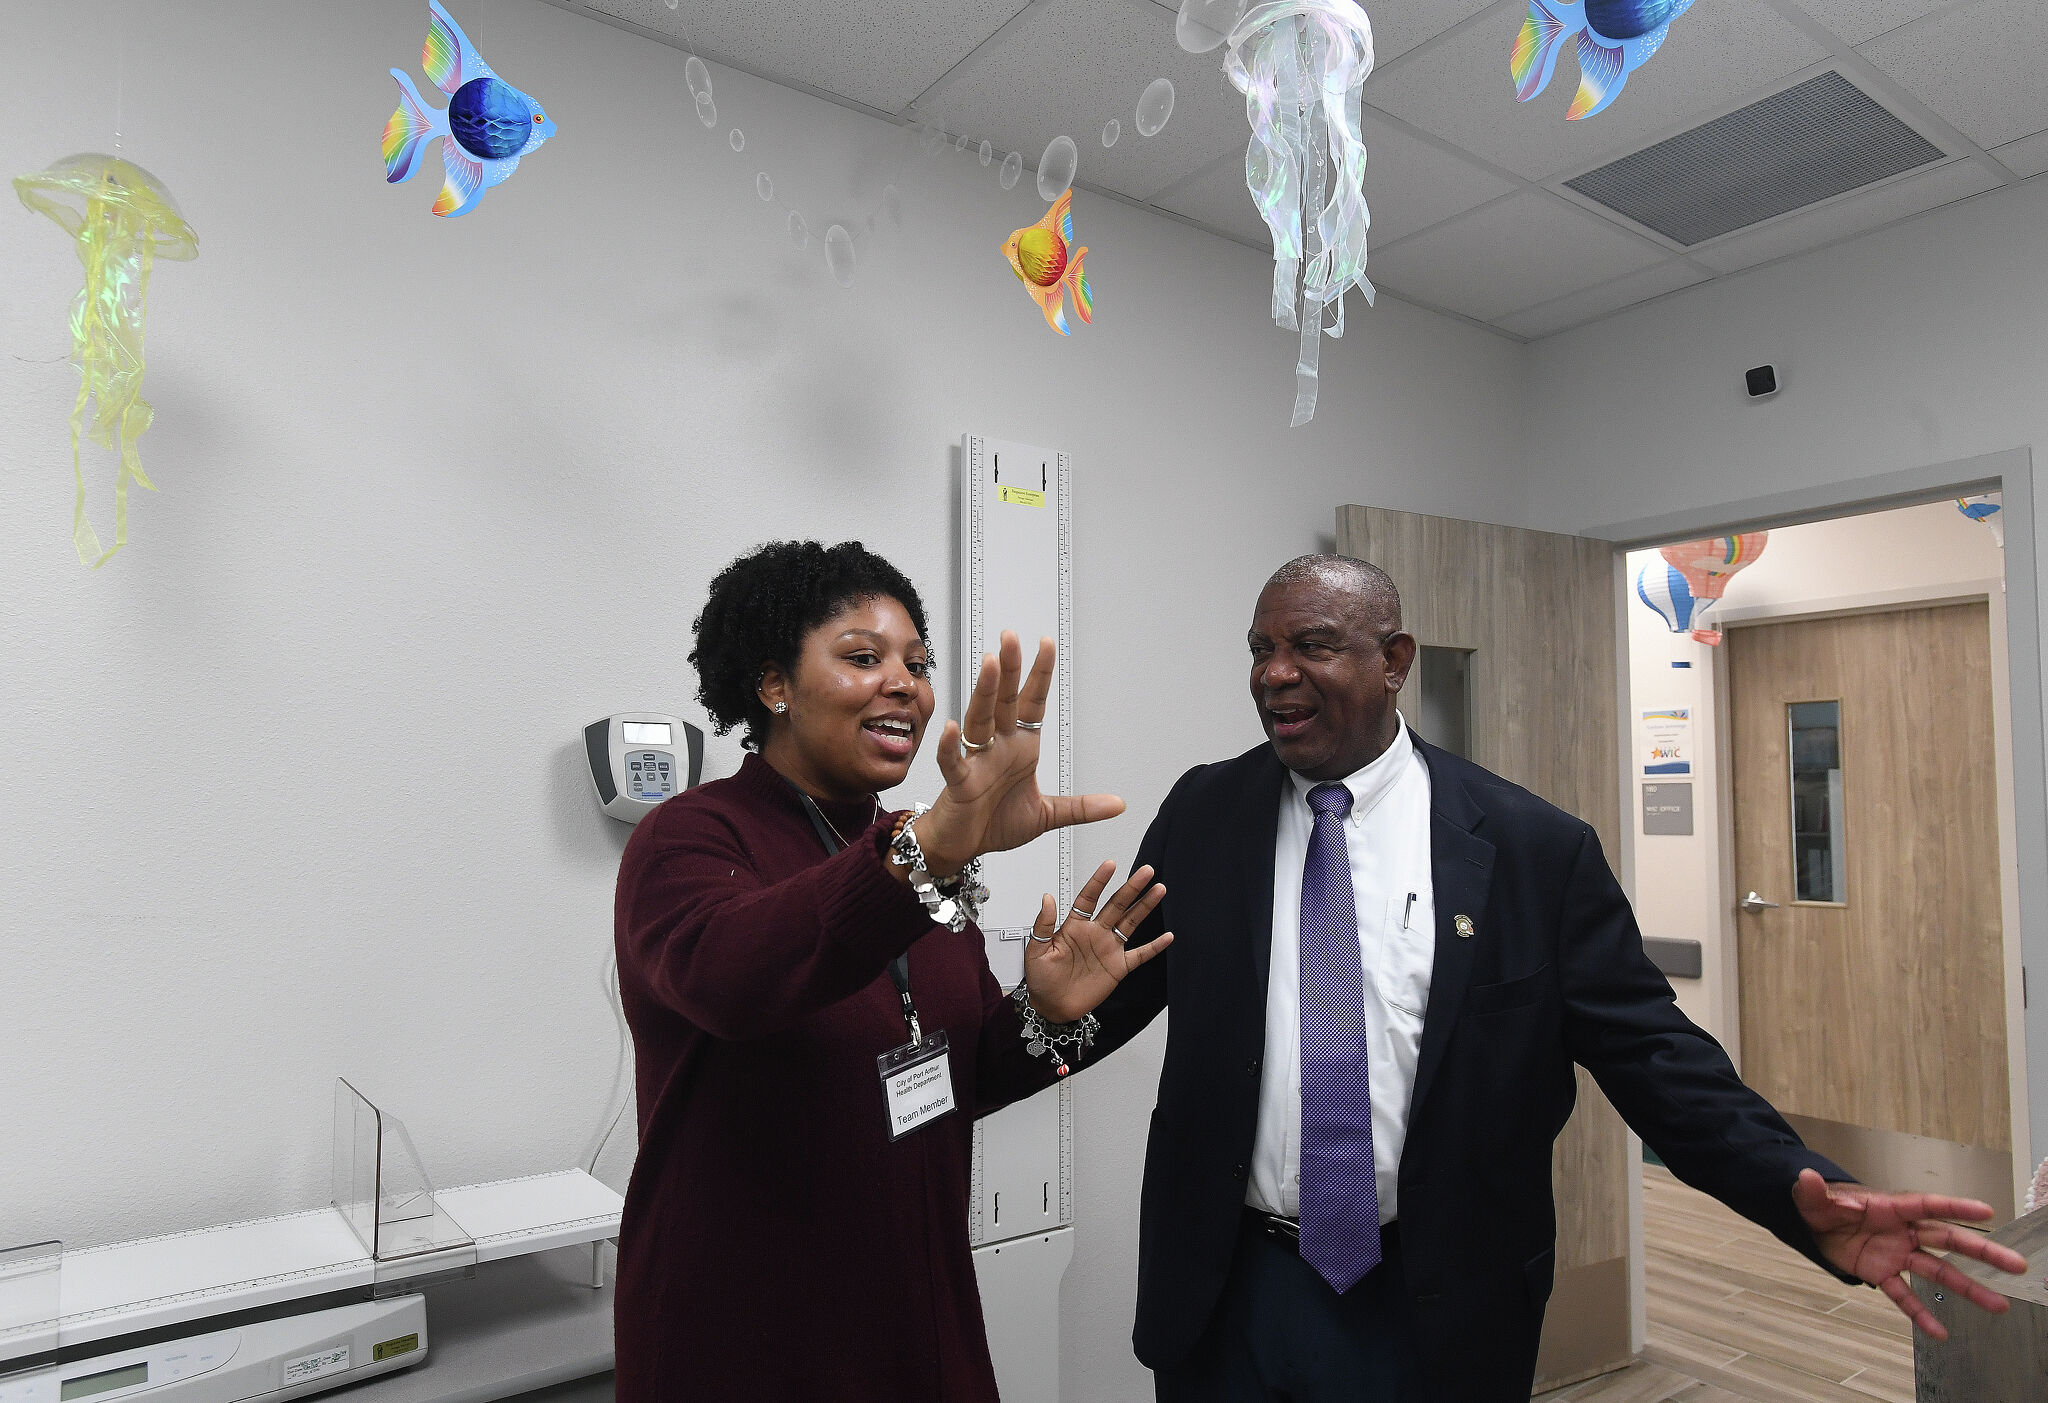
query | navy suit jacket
(1552,974)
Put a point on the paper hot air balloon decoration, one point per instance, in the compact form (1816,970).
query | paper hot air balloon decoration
(1985,508)
(1703,570)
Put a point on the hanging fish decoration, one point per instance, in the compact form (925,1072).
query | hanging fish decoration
(1615,38)
(486,127)
(1045,260)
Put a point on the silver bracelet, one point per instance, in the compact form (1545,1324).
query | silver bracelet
(1043,1039)
(952,903)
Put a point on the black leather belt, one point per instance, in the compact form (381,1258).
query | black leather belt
(1287,1231)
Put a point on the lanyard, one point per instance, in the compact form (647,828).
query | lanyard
(899,968)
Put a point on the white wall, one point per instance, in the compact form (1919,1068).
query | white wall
(1910,552)
(1910,347)
(293,784)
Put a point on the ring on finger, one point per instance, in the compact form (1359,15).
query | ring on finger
(1031,725)
(1041,939)
(1121,938)
(1076,910)
(970,747)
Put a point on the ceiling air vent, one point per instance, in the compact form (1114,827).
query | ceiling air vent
(1790,150)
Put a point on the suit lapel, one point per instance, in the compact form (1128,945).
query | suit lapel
(1461,870)
(1260,805)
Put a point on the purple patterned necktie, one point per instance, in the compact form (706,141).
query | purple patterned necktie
(1340,1198)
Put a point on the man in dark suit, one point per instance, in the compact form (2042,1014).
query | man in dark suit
(1386,961)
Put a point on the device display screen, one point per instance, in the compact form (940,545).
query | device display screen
(645,732)
(103,1383)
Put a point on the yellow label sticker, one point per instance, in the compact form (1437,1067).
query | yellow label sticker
(391,1349)
(1020,496)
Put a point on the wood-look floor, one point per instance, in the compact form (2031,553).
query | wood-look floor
(1738,1317)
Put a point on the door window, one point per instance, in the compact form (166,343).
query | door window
(1818,851)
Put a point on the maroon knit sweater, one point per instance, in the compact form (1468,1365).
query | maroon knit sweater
(776,1247)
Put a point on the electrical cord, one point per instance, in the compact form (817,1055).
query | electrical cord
(622,1082)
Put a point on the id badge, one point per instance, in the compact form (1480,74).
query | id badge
(917,1083)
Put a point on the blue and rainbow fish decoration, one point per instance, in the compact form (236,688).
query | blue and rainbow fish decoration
(486,127)
(1616,37)
(1044,258)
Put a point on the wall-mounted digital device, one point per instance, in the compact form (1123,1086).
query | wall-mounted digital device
(271,1360)
(1761,381)
(639,758)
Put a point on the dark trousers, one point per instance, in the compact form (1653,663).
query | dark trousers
(1281,1335)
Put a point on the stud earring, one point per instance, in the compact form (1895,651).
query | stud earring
(781,707)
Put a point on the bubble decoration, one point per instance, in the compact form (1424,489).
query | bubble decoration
(799,232)
(988,153)
(698,77)
(1013,166)
(1155,107)
(1203,25)
(707,110)
(839,254)
(737,139)
(959,143)
(764,187)
(1111,130)
(1056,168)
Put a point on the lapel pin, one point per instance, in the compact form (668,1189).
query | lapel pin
(1464,925)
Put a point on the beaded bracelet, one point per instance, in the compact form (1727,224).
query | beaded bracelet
(1043,1039)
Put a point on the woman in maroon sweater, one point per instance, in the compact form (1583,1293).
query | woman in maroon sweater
(779,1246)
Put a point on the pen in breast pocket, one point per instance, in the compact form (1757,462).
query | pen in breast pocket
(1406,909)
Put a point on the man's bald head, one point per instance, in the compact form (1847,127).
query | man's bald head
(1371,587)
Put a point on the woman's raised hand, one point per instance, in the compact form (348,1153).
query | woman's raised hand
(991,801)
(1072,968)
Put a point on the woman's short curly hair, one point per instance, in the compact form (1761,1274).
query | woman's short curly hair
(763,604)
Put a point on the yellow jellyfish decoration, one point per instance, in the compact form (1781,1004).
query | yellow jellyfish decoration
(123,220)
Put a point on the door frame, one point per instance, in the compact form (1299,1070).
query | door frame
(2023,828)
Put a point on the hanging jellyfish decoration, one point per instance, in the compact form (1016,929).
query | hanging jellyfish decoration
(1985,508)
(1302,66)
(1700,572)
(121,219)
(1615,38)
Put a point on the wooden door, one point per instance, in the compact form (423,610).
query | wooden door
(1873,994)
(1529,618)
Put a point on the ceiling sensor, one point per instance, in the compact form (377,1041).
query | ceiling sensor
(1762,381)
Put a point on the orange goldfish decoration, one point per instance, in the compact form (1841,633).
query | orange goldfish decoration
(1044,258)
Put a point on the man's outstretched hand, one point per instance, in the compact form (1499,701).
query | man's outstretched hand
(1878,1237)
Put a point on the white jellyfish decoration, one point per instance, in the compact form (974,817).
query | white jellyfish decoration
(1302,66)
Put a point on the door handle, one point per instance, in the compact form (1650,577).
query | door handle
(1754,903)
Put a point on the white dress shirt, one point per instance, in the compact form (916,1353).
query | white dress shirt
(1386,837)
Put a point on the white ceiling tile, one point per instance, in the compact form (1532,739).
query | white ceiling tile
(1067,66)
(1852,214)
(1514,253)
(2026,157)
(1411,184)
(1460,89)
(1399,25)
(1859,21)
(1978,66)
(1220,201)
(1575,309)
(881,53)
